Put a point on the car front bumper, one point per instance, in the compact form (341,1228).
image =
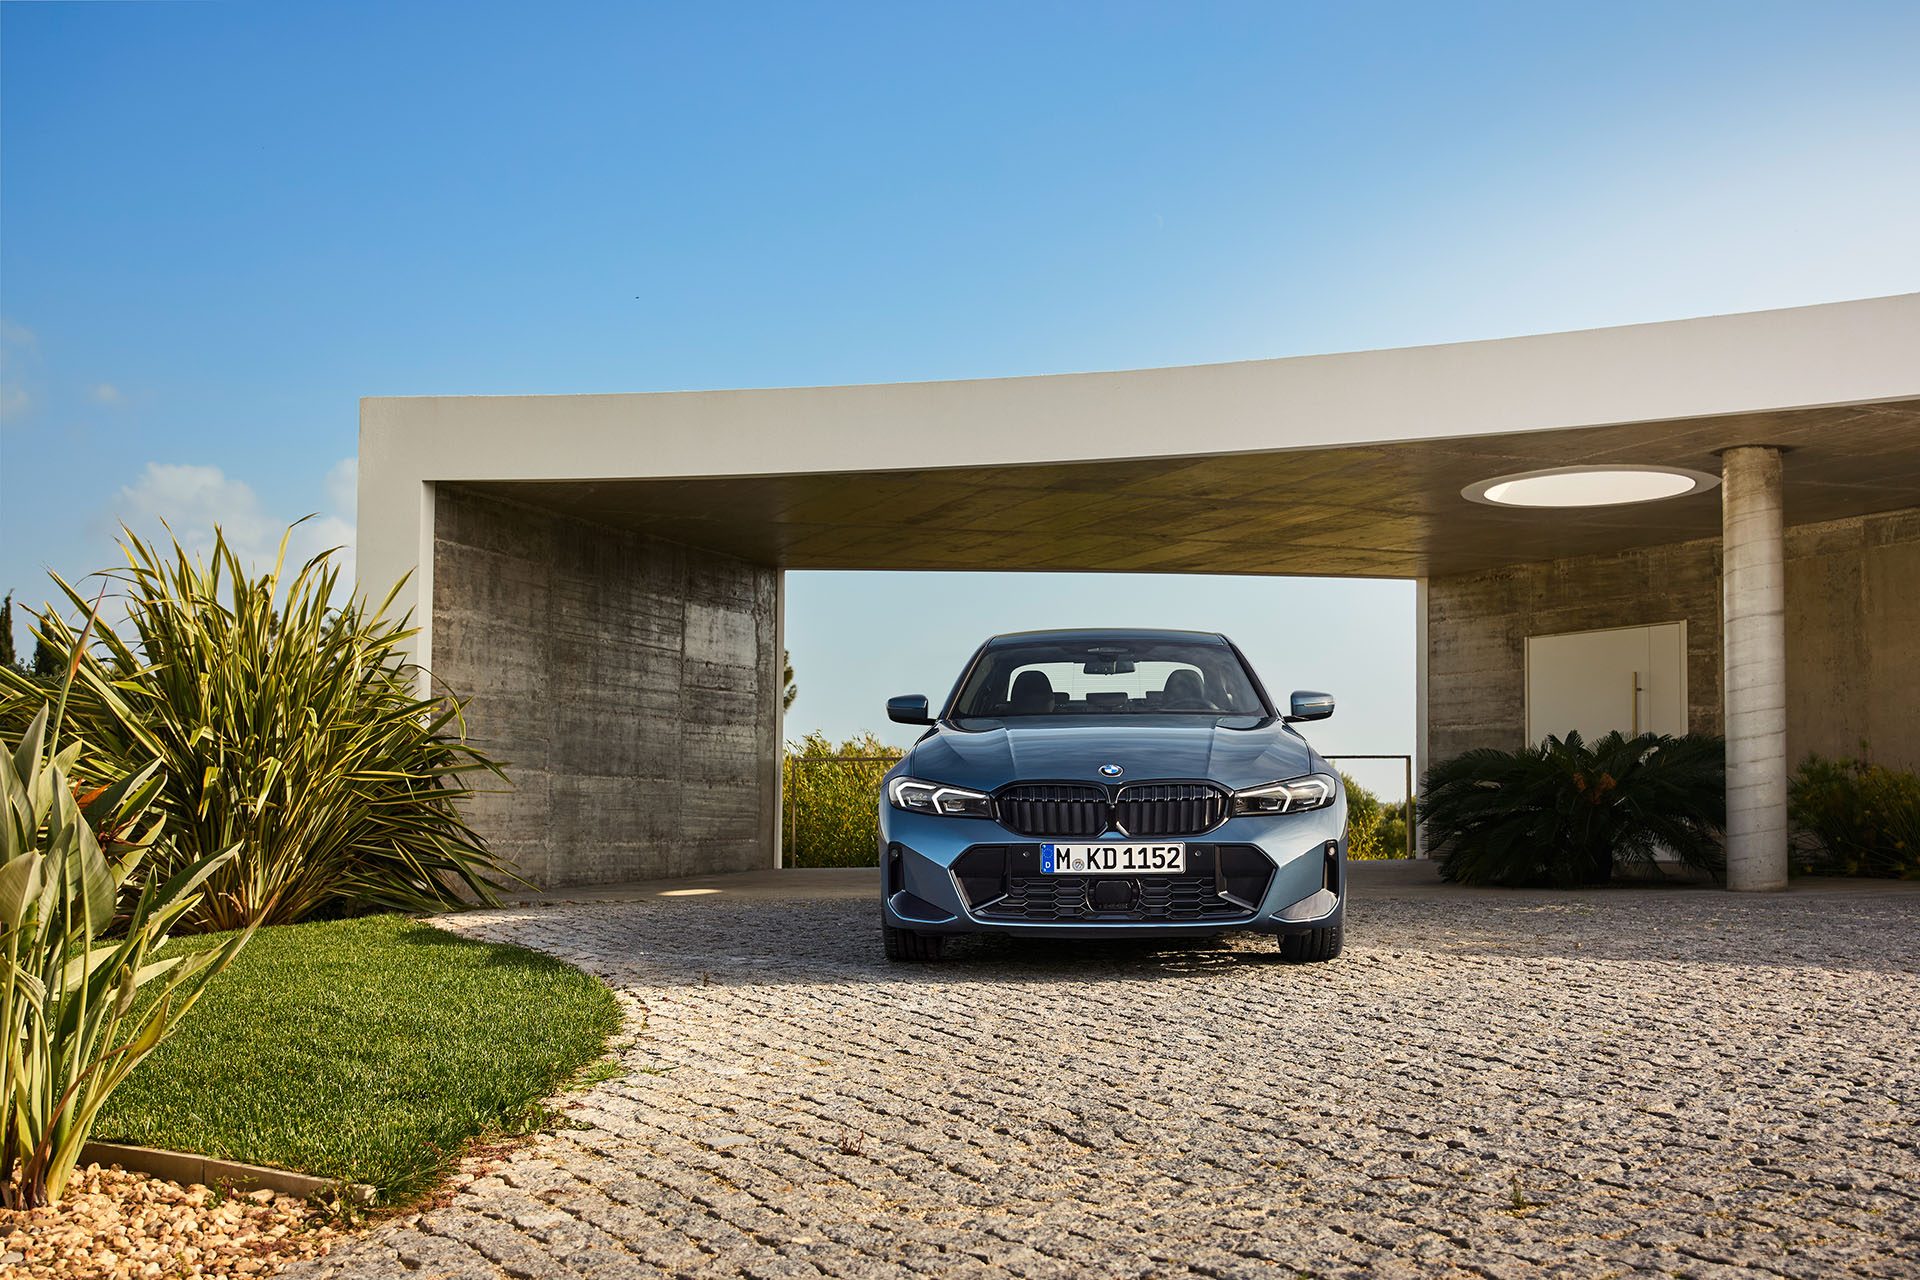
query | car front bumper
(1280,874)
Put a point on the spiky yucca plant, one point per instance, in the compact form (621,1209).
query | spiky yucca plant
(1564,813)
(284,724)
(73,1022)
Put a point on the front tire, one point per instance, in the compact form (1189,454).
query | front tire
(1316,946)
(905,944)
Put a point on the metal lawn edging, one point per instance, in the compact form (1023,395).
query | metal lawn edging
(187,1168)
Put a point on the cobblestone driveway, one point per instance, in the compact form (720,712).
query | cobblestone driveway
(1674,1083)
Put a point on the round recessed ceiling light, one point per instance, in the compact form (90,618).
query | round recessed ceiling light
(1607,486)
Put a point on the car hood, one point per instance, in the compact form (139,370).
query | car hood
(1235,751)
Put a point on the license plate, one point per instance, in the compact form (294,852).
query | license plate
(1113,859)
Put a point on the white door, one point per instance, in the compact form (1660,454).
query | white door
(1633,679)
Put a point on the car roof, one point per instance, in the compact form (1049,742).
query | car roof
(1123,634)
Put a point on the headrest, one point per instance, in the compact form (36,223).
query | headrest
(1185,687)
(1032,691)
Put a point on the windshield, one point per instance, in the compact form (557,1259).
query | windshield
(1105,677)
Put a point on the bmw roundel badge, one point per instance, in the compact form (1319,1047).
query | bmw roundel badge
(1111,770)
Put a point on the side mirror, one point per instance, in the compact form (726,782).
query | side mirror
(1307,705)
(910,708)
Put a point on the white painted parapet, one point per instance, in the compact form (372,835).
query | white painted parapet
(1754,587)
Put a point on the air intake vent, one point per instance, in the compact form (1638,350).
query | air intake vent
(1226,883)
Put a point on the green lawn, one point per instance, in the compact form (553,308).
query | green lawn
(367,1050)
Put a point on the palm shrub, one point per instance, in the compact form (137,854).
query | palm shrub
(79,1011)
(1565,813)
(284,725)
(832,800)
(1858,818)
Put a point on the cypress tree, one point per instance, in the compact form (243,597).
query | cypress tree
(46,663)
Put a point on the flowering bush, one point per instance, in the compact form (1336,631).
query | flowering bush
(1856,819)
(832,797)
(1374,830)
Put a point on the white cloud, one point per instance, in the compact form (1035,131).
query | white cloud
(106,393)
(343,487)
(191,499)
(15,400)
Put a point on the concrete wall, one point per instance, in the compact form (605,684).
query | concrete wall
(1853,635)
(1853,638)
(631,686)
(1477,628)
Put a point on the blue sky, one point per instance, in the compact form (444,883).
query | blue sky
(221,224)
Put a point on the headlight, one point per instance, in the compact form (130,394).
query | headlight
(1315,791)
(934,797)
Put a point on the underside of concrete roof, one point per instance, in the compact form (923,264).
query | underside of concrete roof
(1337,465)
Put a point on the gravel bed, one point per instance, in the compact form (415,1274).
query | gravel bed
(113,1225)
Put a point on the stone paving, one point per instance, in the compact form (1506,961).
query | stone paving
(1617,1082)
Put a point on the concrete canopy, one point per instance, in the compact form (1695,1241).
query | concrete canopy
(601,573)
(1327,465)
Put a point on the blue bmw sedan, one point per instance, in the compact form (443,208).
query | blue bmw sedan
(1112,784)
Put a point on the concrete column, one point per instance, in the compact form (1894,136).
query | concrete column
(1422,691)
(777,686)
(1754,598)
